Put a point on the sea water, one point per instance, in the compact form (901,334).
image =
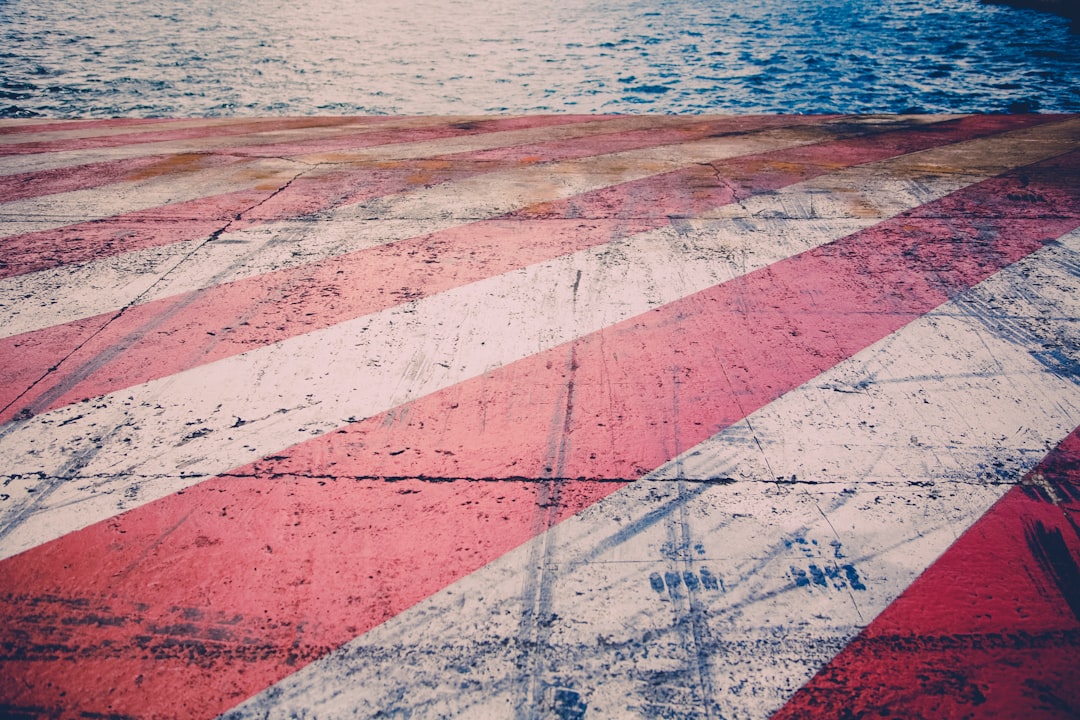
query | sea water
(65,58)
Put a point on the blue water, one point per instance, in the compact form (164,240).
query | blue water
(268,57)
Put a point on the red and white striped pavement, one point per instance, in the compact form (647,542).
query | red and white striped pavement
(540,417)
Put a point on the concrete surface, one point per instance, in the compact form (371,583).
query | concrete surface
(540,417)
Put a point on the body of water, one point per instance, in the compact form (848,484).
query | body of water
(267,57)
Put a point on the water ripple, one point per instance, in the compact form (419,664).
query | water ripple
(261,57)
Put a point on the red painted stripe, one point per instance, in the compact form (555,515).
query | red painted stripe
(163,337)
(22,186)
(81,177)
(157,227)
(434,132)
(635,139)
(189,133)
(37,184)
(162,650)
(154,227)
(189,604)
(725,352)
(992,629)
(348,188)
(52,126)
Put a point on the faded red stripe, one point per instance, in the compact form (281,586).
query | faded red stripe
(190,604)
(310,195)
(22,186)
(435,132)
(82,177)
(646,389)
(36,127)
(570,148)
(156,227)
(189,133)
(159,338)
(992,629)
(196,649)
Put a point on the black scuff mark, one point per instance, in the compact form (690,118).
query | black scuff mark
(565,703)
(1059,361)
(954,684)
(1049,698)
(1050,551)
(853,577)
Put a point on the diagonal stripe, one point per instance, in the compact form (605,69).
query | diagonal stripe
(773,327)
(270,143)
(105,134)
(287,244)
(63,180)
(40,162)
(210,174)
(272,171)
(460,333)
(992,628)
(603,599)
(35,184)
(636,372)
(319,185)
(20,126)
(199,328)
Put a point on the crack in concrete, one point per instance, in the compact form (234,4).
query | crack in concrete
(836,565)
(6,480)
(724,182)
(88,367)
(79,460)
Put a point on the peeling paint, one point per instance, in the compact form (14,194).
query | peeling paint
(540,417)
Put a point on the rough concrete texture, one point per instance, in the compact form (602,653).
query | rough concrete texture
(540,417)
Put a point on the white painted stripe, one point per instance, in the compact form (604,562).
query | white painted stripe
(15,122)
(895,454)
(403,150)
(91,129)
(311,384)
(38,162)
(503,138)
(545,181)
(44,298)
(49,212)
(868,193)
(87,462)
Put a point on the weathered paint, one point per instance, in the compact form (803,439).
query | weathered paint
(990,629)
(270,142)
(198,327)
(703,589)
(315,185)
(871,192)
(618,392)
(616,131)
(93,136)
